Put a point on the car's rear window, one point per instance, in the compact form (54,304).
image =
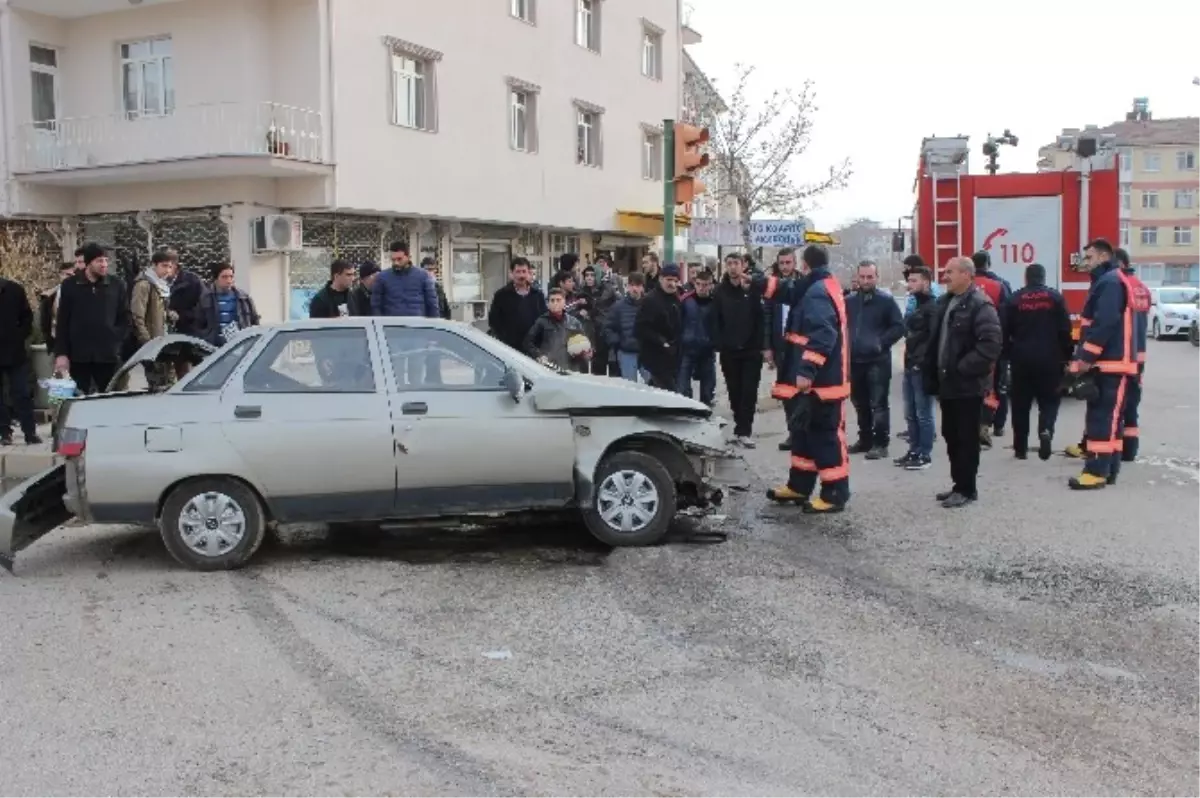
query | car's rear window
(215,373)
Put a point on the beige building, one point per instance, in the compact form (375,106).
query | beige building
(278,134)
(1159,207)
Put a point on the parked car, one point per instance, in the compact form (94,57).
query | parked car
(387,420)
(1172,310)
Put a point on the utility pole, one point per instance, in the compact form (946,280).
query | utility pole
(668,139)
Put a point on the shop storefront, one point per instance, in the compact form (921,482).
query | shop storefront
(480,256)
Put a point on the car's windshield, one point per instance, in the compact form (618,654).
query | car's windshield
(1178,296)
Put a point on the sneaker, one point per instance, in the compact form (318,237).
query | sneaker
(903,460)
(946,494)
(1020,454)
(747,442)
(997,432)
(785,445)
(1045,445)
(919,463)
(878,453)
(859,448)
(985,437)
(956,500)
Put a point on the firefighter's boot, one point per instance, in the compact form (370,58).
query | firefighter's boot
(782,494)
(819,506)
(1075,451)
(1086,481)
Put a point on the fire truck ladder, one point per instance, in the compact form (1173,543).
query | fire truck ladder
(945,161)
(939,199)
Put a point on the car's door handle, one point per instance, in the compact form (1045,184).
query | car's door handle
(247,411)
(414,408)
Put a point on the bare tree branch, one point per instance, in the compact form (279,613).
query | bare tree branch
(754,149)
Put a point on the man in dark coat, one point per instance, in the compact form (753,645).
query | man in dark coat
(338,297)
(16,323)
(736,331)
(430,265)
(93,323)
(659,330)
(516,307)
(964,346)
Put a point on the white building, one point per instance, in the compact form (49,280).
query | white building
(474,129)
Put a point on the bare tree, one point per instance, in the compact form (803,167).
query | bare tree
(754,149)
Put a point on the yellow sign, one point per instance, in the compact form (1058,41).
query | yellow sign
(647,224)
(819,238)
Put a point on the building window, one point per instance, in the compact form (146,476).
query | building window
(1149,236)
(1185,160)
(43,66)
(523,10)
(522,116)
(1126,193)
(1125,159)
(1185,198)
(1125,234)
(148,78)
(652,155)
(587,134)
(652,51)
(1183,236)
(410,92)
(587,24)
(1149,199)
(1150,272)
(1151,162)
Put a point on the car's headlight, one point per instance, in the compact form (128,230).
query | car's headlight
(1174,314)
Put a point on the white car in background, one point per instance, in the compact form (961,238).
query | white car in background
(1172,309)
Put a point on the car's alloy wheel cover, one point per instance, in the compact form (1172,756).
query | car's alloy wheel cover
(212,524)
(627,501)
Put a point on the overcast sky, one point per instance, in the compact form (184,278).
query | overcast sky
(888,74)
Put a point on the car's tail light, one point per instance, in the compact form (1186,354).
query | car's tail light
(72,442)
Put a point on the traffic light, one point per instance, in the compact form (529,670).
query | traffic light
(688,161)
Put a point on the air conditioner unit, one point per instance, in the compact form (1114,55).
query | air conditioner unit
(278,233)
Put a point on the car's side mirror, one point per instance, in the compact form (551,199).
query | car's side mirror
(514,382)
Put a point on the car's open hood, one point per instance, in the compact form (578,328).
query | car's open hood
(164,349)
(610,395)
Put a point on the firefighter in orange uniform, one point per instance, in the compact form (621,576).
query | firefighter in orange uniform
(1107,347)
(1140,300)
(814,382)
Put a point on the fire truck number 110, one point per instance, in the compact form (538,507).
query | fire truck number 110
(1017,253)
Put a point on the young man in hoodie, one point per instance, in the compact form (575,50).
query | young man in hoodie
(918,405)
(368,273)
(600,296)
(550,337)
(619,329)
(149,309)
(404,289)
(699,357)
(338,298)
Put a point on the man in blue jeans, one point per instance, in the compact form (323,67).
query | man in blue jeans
(918,405)
(699,357)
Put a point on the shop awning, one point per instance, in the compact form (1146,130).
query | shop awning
(648,224)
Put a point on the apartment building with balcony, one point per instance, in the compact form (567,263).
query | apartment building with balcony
(1159,207)
(476,130)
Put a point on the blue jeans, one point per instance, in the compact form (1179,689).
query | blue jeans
(918,412)
(628,363)
(701,366)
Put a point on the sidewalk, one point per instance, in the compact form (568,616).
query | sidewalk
(20,461)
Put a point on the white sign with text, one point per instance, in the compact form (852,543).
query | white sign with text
(1018,231)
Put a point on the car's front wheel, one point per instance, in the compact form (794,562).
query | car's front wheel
(1156,330)
(634,500)
(212,524)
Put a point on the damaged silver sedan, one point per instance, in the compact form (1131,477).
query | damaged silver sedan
(377,420)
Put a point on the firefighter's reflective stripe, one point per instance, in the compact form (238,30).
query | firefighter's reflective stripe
(1095,349)
(1131,432)
(839,303)
(1085,322)
(832,393)
(813,357)
(991,401)
(772,287)
(834,474)
(1118,413)
(782,390)
(1100,447)
(796,338)
(803,463)
(1141,357)
(1127,363)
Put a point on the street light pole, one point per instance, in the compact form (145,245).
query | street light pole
(668,138)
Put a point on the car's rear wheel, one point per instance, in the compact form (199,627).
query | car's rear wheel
(212,524)
(634,500)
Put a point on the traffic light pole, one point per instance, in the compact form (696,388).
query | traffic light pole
(668,191)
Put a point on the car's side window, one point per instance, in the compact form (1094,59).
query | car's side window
(429,359)
(313,361)
(215,374)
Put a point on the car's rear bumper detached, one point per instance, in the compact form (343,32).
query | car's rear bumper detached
(31,510)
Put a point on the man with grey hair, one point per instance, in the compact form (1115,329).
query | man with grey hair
(875,324)
(964,345)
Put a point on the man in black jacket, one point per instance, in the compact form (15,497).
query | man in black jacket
(338,297)
(918,405)
(1037,333)
(875,327)
(659,330)
(964,346)
(368,273)
(430,265)
(16,323)
(736,321)
(93,323)
(516,307)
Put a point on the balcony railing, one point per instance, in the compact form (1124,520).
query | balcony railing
(199,131)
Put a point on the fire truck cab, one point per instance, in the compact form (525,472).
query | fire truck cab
(1043,217)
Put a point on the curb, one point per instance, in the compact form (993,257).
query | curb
(22,465)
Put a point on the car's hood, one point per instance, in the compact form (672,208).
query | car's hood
(1185,309)
(164,349)
(610,395)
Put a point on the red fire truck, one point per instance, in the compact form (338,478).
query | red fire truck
(1045,218)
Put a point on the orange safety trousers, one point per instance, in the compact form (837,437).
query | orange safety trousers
(819,451)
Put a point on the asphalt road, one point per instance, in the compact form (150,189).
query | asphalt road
(1041,641)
